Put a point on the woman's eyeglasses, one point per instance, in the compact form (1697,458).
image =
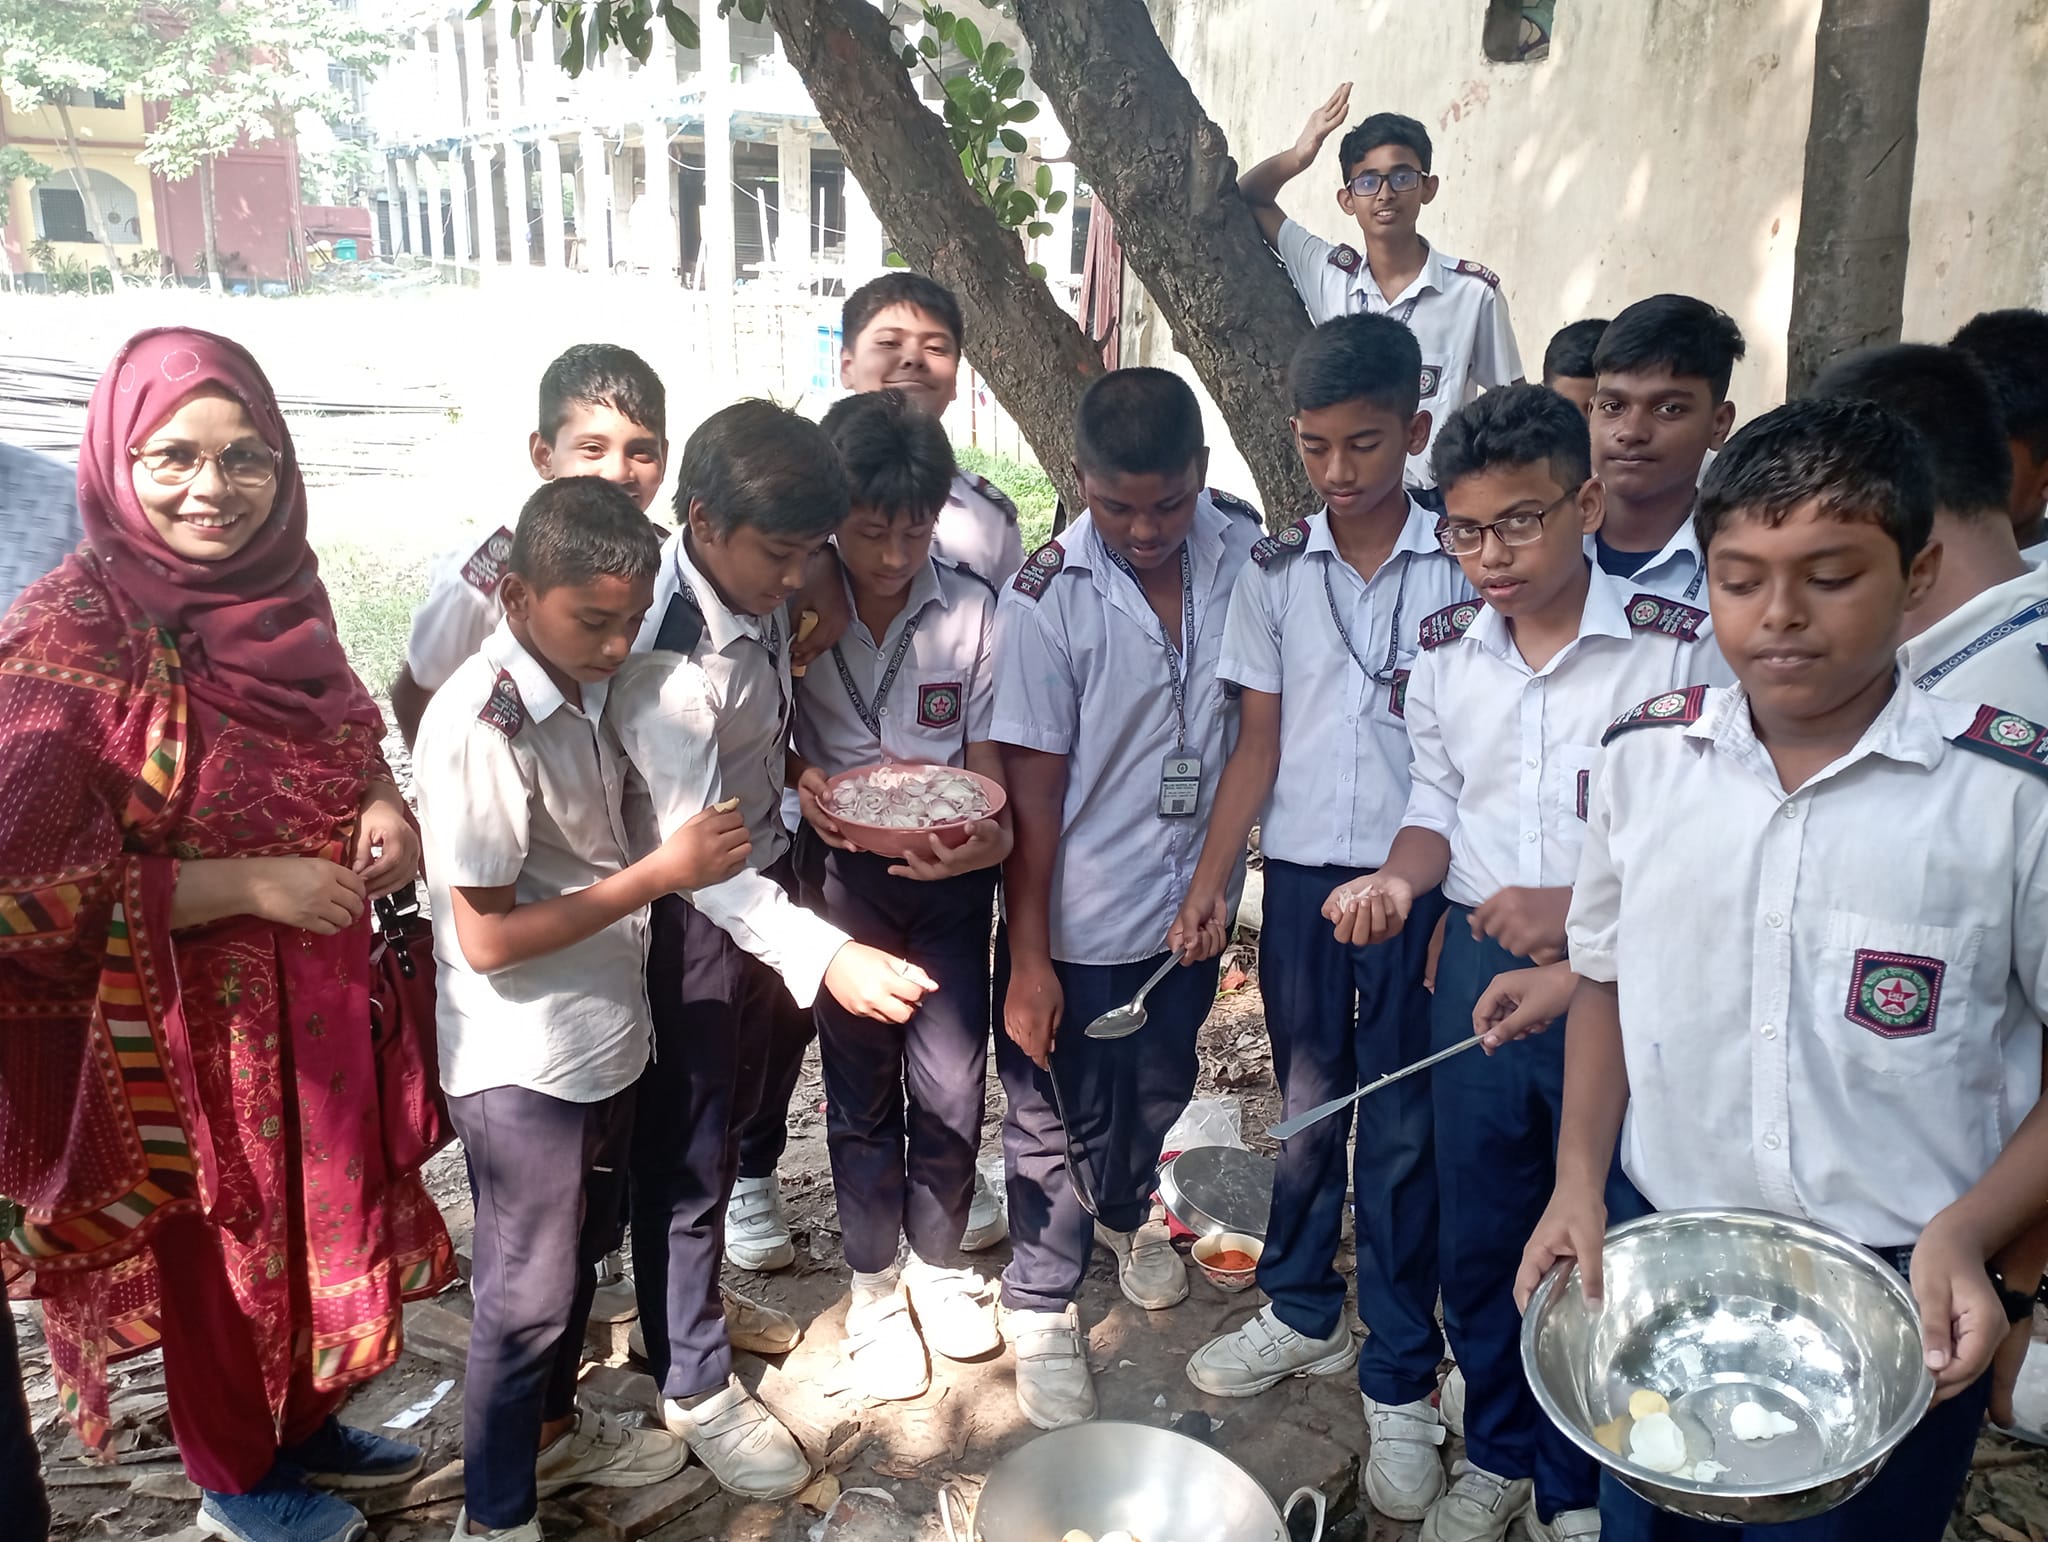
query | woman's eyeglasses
(174,465)
(1510,529)
(1402,179)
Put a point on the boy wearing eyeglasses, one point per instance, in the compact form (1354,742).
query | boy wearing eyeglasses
(1320,640)
(1505,709)
(1454,307)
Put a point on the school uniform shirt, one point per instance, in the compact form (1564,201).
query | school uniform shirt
(39,512)
(461,609)
(518,785)
(661,709)
(928,682)
(1082,671)
(978,529)
(1993,647)
(1337,649)
(1454,308)
(745,660)
(1678,571)
(1831,999)
(1505,755)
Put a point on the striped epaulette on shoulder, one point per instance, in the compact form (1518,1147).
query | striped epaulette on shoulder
(486,565)
(503,709)
(2008,737)
(1448,624)
(1654,613)
(1679,707)
(1040,568)
(1281,544)
(996,496)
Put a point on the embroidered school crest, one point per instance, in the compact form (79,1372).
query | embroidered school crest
(2009,737)
(503,710)
(1432,379)
(1281,543)
(938,706)
(1654,613)
(1038,570)
(1894,995)
(1680,707)
(1397,694)
(1448,624)
(1345,257)
(486,564)
(1479,271)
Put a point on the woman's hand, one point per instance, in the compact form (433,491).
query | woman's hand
(387,855)
(309,893)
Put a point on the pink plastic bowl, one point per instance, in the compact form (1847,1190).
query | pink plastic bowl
(895,843)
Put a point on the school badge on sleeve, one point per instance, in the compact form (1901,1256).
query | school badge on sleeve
(1894,995)
(938,706)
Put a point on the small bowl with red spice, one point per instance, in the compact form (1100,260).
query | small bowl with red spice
(1229,1259)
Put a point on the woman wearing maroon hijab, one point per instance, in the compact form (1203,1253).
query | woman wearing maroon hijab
(194,814)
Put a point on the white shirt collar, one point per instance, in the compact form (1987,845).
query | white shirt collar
(1912,727)
(538,692)
(722,624)
(1430,276)
(1604,614)
(1418,534)
(925,587)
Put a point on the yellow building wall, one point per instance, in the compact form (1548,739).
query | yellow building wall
(109,140)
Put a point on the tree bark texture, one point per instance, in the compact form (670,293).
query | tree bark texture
(95,216)
(1030,351)
(1163,168)
(209,231)
(1849,268)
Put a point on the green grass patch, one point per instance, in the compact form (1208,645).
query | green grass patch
(374,595)
(1029,488)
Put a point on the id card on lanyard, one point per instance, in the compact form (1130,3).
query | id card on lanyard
(1180,774)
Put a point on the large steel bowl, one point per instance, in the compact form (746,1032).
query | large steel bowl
(1153,1483)
(1712,1308)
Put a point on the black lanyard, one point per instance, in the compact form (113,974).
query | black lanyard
(872,715)
(772,642)
(1384,675)
(1407,309)
(1187,633)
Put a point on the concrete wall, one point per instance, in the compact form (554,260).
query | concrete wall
(255,213)
(1659,147)
(109,140)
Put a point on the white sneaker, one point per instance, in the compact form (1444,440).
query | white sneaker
(756,1231)
(1565,1526)
(883,1348)
(615,1300)
(986,1223)
(1054,1384)
(740,1443)
(527,1532)
(1263,1351)
(1479,1506)
(600,1450)
(758,1328)
(1450,1401)
(1403,1473)
(955,1310)
(1151,1273)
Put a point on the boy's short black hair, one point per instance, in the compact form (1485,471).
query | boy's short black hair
(1945,395)
(2012,346)
(1570,354)
(900,288)
(1140,421)
(1358,358)
(758,464)
(1515,426)
(574,530)
(602,375)
(1676,332)
(897,459)
(1383,128)
(1859,460)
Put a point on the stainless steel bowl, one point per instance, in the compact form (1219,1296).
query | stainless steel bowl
(1712,1308)
(1099,1477)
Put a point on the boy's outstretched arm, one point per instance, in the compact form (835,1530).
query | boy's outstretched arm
(1201,928)
(1261,185)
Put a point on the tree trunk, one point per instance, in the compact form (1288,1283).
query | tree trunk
(95,217)
(1164,170)
(1030,350)
(1849,268)
(209,230)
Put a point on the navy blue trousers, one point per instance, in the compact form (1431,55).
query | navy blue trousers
(903,1101)
(1496,1159)
(1122,1095)
(713,1006)
(1339,1017)
(547,1198)
(1910,1500)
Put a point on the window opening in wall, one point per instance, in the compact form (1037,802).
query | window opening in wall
(1518,31)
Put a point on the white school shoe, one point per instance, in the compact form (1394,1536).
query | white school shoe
(1404,1475)
(756,1231)
(616,1300)
(883,1349)
(526,1531)
(1263,1351)
(1055,1388)
(740,1443)
(1479,1506)
(756,1327)
(1150,1272)
(601,1451)
(1565,1526)
(1450,1401)
(986,1223)
(955,1310)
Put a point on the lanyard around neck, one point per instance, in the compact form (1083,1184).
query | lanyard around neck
(1187,632)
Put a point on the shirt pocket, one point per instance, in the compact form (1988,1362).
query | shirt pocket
(1892,996)
(1573,790)
(928,709)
